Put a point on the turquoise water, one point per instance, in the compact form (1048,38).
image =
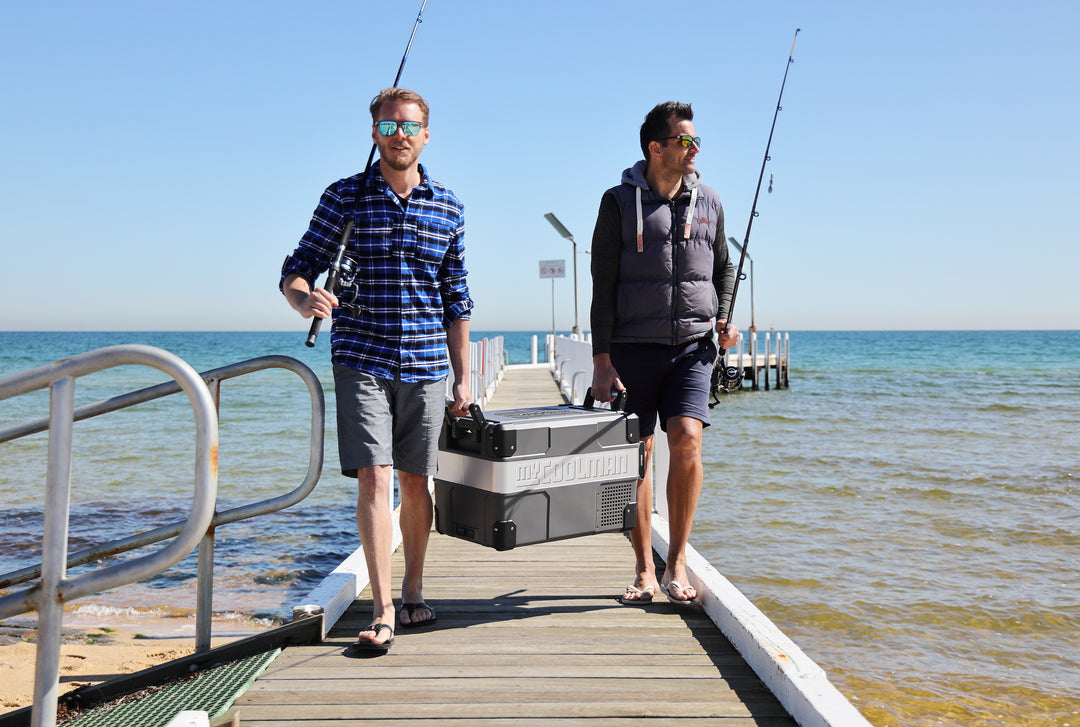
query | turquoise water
(908,511)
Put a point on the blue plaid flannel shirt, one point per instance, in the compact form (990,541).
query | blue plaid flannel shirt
(409,282)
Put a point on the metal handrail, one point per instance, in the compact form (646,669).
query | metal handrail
(578,354)
(159,391)
(55,588)
(573,386)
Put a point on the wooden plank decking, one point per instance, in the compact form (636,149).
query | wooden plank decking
(533,635)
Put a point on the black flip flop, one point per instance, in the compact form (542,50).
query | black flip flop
(410,608)
(361,645)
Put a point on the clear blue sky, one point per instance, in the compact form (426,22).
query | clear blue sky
(161,159)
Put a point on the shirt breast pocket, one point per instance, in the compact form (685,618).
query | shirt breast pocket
(431,240)
(373,237)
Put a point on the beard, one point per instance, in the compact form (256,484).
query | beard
(400,161)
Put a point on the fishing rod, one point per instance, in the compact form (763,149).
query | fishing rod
(335,267)
(730,377)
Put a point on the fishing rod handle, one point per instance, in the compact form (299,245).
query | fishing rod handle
(331,281)
(313,332)
(316,323)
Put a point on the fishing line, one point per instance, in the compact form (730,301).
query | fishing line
(335,267)
(724,377)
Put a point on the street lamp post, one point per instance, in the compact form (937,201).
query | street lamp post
(550,217)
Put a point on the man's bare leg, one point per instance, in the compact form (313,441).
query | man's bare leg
(641,535)
(377,538)
(685,475)
(416,519)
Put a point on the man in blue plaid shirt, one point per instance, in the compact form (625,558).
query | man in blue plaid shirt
(400,325)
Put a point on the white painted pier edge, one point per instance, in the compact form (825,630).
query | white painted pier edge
(793,677)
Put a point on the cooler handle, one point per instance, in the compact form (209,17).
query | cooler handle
(618,405)
(458,426)
(477,414)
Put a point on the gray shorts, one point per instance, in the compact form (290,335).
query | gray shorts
(384,422)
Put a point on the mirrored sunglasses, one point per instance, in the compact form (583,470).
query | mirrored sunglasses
(389,128)
(685,140)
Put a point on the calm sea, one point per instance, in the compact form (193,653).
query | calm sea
(908,511)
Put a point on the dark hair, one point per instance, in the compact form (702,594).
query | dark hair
(657,122)
(402,95)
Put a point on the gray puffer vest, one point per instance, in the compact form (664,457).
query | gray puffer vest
(666,290)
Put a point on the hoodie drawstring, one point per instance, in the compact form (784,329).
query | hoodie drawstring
(690,212)
(641,224)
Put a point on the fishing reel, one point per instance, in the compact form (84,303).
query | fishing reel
(346,274)
(730,378)
(345,287)
(725,380)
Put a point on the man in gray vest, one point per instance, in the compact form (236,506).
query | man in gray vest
(661,276)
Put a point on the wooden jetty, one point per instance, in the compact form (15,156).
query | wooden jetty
(528,636)
(533,635)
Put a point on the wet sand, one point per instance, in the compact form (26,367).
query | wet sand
(95,653)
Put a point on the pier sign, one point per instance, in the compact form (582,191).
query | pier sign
(552,269)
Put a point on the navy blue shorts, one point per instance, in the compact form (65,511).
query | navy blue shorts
(665,380)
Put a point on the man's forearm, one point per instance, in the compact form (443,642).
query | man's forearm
(457,343)
(296,290)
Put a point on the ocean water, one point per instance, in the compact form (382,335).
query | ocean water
(908,511)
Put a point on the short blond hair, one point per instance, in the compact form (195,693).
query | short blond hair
(401,95)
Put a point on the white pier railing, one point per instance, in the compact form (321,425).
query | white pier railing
(571,362)
(572,367)
(762,360)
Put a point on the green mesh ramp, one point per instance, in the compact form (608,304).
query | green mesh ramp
(212,691)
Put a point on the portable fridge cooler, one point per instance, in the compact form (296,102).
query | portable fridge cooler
(524,476)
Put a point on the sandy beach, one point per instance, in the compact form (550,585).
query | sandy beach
(95,654)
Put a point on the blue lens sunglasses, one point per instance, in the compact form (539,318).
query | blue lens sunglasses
(389,128)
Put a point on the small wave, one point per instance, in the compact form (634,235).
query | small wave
(285,577)
(249,619)
(781,418)
(1005,408)
(100,610)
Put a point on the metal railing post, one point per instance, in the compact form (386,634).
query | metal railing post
(54,552)
(204,589)
(204,595)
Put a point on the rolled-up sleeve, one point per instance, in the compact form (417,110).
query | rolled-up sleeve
(453,285)
(315,253)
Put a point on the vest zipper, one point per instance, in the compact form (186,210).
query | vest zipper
(674,273)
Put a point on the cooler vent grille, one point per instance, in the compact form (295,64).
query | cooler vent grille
(613,499)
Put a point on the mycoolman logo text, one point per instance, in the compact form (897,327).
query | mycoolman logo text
(571,470)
